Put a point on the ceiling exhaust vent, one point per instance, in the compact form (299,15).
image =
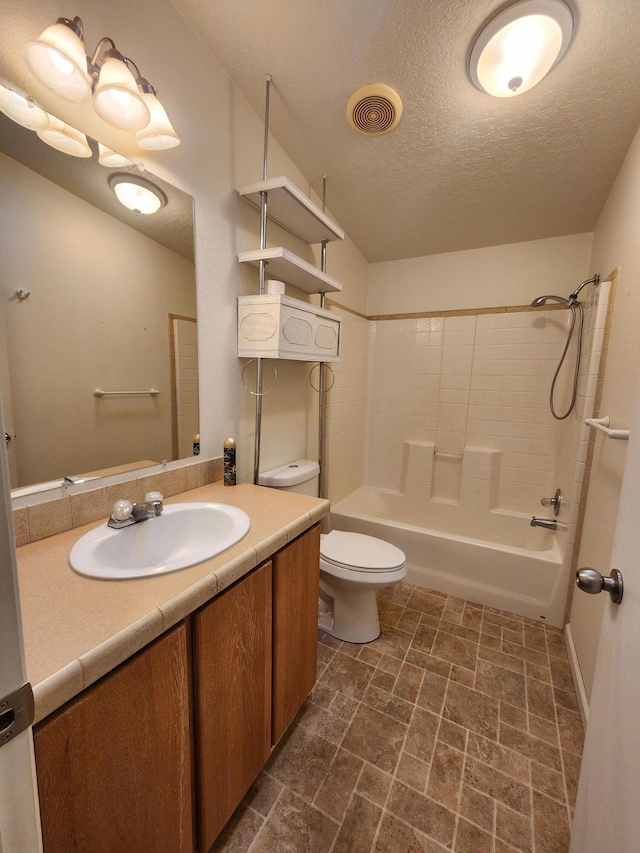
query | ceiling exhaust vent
(374,109)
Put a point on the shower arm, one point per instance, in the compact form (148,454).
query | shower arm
(595,280)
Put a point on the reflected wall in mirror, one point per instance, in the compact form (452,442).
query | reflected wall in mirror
(91,301)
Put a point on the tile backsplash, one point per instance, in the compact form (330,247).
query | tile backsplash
(40,516)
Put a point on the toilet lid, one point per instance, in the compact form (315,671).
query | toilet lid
(357,551)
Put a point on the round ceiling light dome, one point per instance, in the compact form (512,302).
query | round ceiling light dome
(374,109)
(137,193)
(519,46)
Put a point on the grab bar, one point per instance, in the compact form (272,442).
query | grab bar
(603,425)
(153,392)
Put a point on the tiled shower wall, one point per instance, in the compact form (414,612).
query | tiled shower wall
(435,388)
(467,383)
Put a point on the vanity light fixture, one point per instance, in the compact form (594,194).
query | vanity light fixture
(137,193)
(22,110)
(519,46)
(111,159)
(65,138)
(59,60)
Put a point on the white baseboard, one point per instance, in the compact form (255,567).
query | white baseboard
(576,674)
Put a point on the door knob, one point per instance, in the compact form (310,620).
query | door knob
(591,581)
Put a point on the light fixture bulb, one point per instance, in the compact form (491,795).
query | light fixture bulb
(520,45)
(22,110)
(137,193)
(65,138)
(116,98)
(58,60)
(111,159)
(159,133)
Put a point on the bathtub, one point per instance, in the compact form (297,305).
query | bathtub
(493,558)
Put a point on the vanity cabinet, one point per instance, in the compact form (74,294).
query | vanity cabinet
(114,766)
(296,574)
(157,755)
(232,697)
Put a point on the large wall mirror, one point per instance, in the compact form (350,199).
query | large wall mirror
(94,298)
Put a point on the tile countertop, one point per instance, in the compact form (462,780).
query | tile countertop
(77,629)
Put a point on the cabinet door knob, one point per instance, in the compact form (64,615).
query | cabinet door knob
(591,581)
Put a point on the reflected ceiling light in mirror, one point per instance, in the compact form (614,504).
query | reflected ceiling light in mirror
(59,60)
(111,159)
(65,138)
(137,193)
(22,110)
(519,46)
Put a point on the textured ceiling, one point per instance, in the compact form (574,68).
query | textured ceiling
(462,169)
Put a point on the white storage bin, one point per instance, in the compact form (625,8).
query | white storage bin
(274,326)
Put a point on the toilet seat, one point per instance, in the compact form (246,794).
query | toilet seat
(359,553)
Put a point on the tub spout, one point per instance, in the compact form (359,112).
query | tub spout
(547,523)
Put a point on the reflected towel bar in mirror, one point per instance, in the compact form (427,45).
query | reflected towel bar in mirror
(152,392)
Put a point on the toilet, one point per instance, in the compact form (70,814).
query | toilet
(352,566)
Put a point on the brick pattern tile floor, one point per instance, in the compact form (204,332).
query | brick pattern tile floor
(456,730)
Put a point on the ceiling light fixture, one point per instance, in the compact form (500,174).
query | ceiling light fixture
(59,60)
(137,193)
(519,46)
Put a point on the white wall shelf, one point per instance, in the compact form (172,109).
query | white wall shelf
(293,210)
(284,265)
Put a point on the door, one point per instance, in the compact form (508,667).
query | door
(607,818)
(19,823)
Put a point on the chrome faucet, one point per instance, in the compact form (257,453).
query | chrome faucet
(125,513)
(547,523)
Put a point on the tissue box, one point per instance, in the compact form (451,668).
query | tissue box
(275,326)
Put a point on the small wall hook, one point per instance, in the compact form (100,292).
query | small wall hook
(23,294)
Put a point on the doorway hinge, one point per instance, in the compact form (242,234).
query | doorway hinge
(16,713)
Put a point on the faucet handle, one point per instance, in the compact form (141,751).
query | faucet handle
(152,497)
(122,510)
(555,502)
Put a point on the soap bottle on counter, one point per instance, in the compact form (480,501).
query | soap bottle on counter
(229,462)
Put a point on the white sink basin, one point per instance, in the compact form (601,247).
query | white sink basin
(185,534)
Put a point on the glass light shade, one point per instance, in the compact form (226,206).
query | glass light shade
(159,133)
(116,98)
(520,46)
(65,138)
(137,194)
(59,62)
(22,110)
(111,159)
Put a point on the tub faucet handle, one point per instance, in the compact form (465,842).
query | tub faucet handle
(555,502)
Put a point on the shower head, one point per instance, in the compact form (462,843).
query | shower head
(542,300)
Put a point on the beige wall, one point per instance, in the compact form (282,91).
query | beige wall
(616,243)
(96,318)
(479,278)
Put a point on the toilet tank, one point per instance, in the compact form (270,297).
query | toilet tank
(300,477)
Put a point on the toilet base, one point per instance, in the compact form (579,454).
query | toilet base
(349,614)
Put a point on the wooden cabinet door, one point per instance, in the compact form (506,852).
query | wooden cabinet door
(114,765)
(232,675)
(296,574)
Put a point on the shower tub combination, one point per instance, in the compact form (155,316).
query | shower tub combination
(493,558)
